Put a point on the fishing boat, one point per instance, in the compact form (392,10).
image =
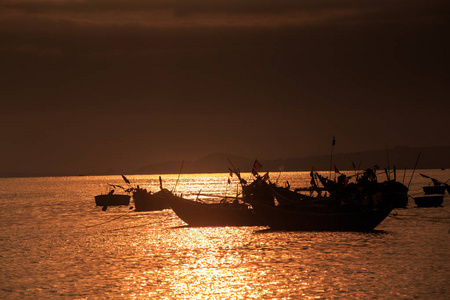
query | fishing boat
(429,201)
(291,211)
(431,190)
(320,218)
(357,206)
(438,186)
(112,199)
(200,214)
(394,193)
(146,201)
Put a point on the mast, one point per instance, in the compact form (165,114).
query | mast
(331,156)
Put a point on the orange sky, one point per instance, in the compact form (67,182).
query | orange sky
(172,80)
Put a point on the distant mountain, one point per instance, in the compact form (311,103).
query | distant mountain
(401,157)
(213,163)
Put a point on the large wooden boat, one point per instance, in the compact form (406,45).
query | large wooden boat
(429,201)
(112,199)
(200,214)
(359,206)
(394,193)
(320,218)
(146,201)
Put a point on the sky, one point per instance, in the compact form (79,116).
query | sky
(98,85)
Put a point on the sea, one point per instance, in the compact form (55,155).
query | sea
(55,243)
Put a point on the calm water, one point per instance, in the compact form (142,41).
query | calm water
(55,243)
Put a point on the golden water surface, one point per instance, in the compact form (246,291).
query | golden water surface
(55,243)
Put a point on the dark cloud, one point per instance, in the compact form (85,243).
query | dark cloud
(229,13)
(222,5)
(232,6)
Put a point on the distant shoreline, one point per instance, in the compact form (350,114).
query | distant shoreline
(196,173)
(436,158)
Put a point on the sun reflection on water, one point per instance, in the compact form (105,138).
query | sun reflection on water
(56,243)
(201,262)
(226,263)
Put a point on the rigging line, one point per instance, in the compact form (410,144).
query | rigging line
(388,166)
(142,225)
(415,166)
(179,173)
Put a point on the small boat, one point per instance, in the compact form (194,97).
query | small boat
(430,190)
(429,201)
(199,214)
(112,199)
(438,186)
(146,201)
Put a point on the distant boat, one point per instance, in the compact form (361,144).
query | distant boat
(200,214)
(146,201)
(438,186)
(112,199)
(429,201)
(430,190)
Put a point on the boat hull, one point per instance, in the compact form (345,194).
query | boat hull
(199,214)
(429,201)
(297,220)
(400,201)
(145,201)
(394,193)
(112,200)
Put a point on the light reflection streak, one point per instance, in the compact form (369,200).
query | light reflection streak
(138,256)
(222,263)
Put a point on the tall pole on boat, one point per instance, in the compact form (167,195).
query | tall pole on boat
(414,170)
(281,168)
(179,173)
(388,173)
(331,156)
(395,173)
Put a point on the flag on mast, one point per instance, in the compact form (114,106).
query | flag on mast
(125,179)
(336,170)
(256,167)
